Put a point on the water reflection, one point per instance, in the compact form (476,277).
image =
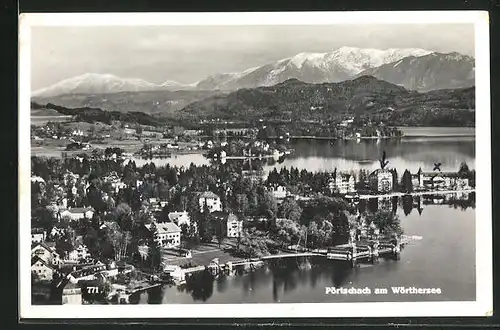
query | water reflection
(199,285)
(408,203)
(403,154)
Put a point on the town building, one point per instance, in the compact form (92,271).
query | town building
(168,234)
(42,268)
(278,191)
(442,180)
(211,200)
(47,252)
(180,218)
(37,179)
(56,232)
(77,213)
(343,183)
(234,226)
(347,122)
(70,178)
(380,180)
(92,272)
(115,181)
(37,235)
(71,294)
(81,252)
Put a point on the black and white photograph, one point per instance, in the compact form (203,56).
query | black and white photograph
(331,164)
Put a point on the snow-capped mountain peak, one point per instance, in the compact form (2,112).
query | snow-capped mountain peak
(312,59)
(98,83)
(356,60)
(340,64)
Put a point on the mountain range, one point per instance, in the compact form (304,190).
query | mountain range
(366,96)
(429,72)
(95,83)
(412,68)
(341,64)
(165,102)
(296,101)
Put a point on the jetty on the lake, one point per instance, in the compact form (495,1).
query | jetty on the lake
(353,253)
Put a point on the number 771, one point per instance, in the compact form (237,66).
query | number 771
(92,289)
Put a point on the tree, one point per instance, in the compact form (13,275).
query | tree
(287,231)
(220,232)
(267,205)
(138,129)
(119,240)
(154,250)
(206,233)
(163,189)
(123,216)
(387,222)
(94,199)
(290,209)
(242,205)
(43,218)
(464,171)
(472,178)
(363,177)
(395,179)
(91,240)
(319,233)
(184,231)
(64,245)
(406,182)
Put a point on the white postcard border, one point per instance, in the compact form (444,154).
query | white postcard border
(483,306)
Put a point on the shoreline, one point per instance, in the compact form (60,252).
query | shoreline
(415,193)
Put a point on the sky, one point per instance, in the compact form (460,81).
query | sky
(190,53)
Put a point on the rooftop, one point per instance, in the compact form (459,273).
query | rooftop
(173,216)
(37,230)
(445,174)
(208,194)
(50,246)
(232,217)
(37,258)
(168,227)
(165,227)
(78,209)
(379,170)
(346,176)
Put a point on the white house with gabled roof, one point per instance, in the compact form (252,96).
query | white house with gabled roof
(211,200)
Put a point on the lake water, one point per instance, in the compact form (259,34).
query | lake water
(444,258)
(449,146)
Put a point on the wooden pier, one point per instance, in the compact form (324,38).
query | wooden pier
(123,294)
(139,289)
(368,251)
